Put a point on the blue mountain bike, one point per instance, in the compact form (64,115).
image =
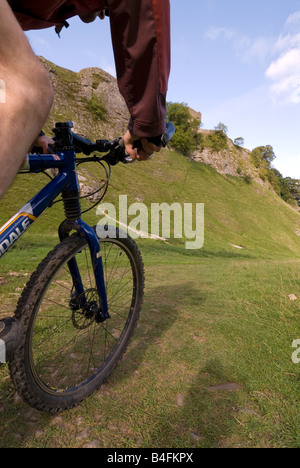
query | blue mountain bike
(77,314)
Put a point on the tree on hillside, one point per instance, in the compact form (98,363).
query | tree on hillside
(294,187)
(239,141)
(262,156)
(222,128)
(186,137)
(286,187)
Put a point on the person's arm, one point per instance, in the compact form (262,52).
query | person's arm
(141,42)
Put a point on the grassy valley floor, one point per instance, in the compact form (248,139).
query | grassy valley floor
(210,364)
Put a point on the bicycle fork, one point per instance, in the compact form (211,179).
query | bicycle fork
(73,221)
(79,299)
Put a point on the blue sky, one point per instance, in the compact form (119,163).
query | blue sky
(235,61)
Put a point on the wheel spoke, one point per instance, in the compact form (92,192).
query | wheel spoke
(69,345)
(69,351)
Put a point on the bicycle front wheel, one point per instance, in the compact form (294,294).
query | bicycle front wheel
(66,353)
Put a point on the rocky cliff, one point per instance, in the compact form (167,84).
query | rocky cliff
(231,160)
(91,99)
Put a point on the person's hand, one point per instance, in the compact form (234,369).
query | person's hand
(44,141)
(141,154)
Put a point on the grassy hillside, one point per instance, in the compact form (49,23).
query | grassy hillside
(237,213)
(211,362)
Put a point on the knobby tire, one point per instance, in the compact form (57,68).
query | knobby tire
(65,353)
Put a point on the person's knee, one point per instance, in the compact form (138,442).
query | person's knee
(42,91)
(29,96)
(29,93)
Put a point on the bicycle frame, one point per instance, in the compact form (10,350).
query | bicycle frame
(67,181)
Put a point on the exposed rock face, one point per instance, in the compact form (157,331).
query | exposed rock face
(90,98)
(233,160)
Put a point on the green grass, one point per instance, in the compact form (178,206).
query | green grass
(95,107)
(212,317)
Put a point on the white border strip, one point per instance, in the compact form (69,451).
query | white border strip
(2,352)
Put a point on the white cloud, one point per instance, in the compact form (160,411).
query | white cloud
(293,19)
(287,65)
(254,50)
(214,33)
(284,71)
(247,49)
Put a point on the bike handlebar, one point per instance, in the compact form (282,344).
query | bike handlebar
(115,149)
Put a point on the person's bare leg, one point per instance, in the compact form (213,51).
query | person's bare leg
(26,96)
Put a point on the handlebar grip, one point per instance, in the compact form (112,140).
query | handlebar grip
(169,133)
(162,140)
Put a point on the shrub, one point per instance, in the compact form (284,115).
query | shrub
(186,138)
(95,106)
(216,141)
